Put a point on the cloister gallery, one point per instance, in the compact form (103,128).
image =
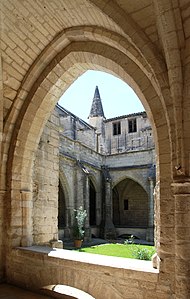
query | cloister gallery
(45,45)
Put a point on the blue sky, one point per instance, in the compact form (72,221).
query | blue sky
(117,97)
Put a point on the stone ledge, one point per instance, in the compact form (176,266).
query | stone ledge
(94,259)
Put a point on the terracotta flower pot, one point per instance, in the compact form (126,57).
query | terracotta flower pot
(78,243)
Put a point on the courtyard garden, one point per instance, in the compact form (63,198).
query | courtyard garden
(128,249)
(133,251)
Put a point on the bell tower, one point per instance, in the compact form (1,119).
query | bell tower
(96,119)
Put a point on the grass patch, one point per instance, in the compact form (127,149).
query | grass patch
(132,251)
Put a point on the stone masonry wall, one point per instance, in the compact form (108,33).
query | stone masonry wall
(71,154)
(46,180)
(98,280)
(136,213)
(126,141)
(75,128)
(132,158)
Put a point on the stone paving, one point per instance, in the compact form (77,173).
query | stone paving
(11,292)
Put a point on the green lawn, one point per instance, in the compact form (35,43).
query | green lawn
(128,251)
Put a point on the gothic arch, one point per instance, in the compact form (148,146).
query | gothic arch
(47,96)
(94,181)
(63,201)
(130,204)
(131,177)
(55,78)
(65,187)
(172,40)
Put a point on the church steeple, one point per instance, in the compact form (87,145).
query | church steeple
(96,108)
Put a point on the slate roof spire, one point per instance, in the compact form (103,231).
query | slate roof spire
(96,108)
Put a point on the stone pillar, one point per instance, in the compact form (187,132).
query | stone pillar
(98,207)
(108,197)
(1,172)
(1,110)
(79,188)
(27,223)
(150,229)
(181,191)
(87,208)
(109,229)
(68,222)
(2,227)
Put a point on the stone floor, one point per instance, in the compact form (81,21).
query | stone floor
(11,292)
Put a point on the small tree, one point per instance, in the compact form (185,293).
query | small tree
(78,229)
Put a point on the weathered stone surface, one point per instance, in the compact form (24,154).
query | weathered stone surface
(44,48)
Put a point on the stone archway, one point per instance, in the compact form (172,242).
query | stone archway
(45,92)
(154,36)
(61,207)
(65,207)
(130,208)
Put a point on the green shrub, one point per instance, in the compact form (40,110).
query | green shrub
(78,228)
(142,253)
(130,240)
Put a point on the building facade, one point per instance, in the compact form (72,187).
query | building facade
(107,166)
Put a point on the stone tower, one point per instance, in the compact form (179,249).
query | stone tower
(96,119)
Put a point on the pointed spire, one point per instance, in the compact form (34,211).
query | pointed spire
(96,108)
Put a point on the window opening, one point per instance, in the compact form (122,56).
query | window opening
(117,128)
(126,204)
(132,124)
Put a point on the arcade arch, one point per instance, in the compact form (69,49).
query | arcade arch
(61,207)
(39,94)
(130,204)
(149,49)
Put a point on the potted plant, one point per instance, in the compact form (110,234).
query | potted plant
(78,228)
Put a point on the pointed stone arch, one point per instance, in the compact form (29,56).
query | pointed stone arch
(130,204)
(65,207)
(65,186)
(39,98)
(130,177)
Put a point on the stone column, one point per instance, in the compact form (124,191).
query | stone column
(150,229)
(68,222)
(108,200)
(1,109)
(2,241)
(79,187)
(181,191)
(87,207)
(2,192)
(109,229)
(27,224)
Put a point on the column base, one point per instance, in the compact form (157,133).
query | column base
(87,236)
(107,230)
